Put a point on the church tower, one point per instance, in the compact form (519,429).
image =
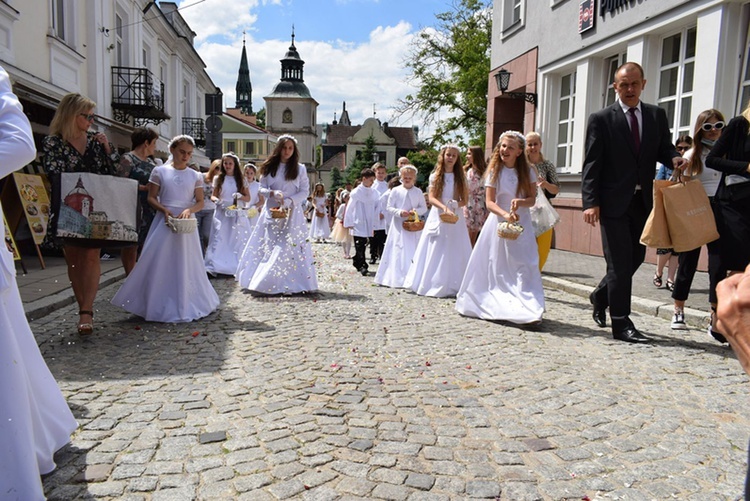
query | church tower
(291,109)
(244,89)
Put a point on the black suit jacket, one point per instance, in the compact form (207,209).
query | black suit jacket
(611,168)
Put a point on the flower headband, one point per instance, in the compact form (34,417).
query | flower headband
(287,136)
(233,155)
(450,145)
(515,134)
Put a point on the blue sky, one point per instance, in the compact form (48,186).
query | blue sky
(354,50)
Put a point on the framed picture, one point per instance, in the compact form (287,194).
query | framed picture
(98,209)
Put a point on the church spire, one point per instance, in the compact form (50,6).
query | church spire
(291,65)
(244,88)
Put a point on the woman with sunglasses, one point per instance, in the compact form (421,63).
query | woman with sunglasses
(708,128)
(731,156)
(72,147)
(664,256)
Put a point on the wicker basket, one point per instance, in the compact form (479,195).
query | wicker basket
(279,213)
(509,231)
(413,225)
(233,211)
(448,218)
(177,225)
(319,214)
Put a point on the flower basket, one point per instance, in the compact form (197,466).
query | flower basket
(509,231)
(413,225)
(319,214)
(233,211)
(448,218)
(177,225)
(279,213)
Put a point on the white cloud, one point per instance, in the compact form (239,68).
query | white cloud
(362,74)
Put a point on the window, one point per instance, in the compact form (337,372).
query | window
(565,121)
(676,79)
(512,13)
(249,148)
(146,56)
(63,17)
(745,83)
(611,66)
(230,146)
(58,18)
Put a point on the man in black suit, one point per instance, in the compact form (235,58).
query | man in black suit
(623,144)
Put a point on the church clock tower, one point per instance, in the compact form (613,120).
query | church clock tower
(244,88)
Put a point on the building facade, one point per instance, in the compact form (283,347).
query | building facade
(134,58)
(694,54)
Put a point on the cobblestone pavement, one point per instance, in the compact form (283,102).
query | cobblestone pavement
(362,392)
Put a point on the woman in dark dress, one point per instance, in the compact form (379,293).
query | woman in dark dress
(137,164)
(731,156)
(71,147)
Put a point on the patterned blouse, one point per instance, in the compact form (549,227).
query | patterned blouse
(59,156)
(548,171)
(475,211)
(135,168)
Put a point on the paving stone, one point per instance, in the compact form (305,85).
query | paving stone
(420,481)
(214,436)
(482,489)
(391,492)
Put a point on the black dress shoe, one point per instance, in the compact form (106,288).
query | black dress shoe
(630,335)
(600,314)
(373,260)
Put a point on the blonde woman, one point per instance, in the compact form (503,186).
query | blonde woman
(72,147)
(547,180)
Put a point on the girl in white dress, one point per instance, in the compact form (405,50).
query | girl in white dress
(256,201)
(400,244)
(35,421)
(169,282)
(503,281)
(339,234)
(230,229)
(277,258)
(319,229)
(443,250)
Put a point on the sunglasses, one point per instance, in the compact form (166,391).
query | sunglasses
(90,118)
(707,127)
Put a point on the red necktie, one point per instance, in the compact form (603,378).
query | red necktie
(634,129)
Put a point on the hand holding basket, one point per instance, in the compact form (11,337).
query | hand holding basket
(413,223)
(510,230)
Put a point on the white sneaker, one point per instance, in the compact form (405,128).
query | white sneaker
(678,321)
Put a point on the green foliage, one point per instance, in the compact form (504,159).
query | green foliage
(260,118)
(362,160)
(450,64)
(337,180)
(424,161)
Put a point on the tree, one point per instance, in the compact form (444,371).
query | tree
(424,161)
(449,65)
(337,180)
(362,160)
(260,118)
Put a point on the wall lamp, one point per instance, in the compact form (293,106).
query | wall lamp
(502,78)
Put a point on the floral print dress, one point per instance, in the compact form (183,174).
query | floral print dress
(133,167)
(475,211)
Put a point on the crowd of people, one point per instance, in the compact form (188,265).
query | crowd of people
(469,235)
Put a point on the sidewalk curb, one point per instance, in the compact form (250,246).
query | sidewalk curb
(46,305)
(694,318)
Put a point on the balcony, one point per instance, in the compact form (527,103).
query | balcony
(138,95)
(196,128)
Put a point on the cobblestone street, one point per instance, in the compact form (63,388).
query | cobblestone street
(363,392)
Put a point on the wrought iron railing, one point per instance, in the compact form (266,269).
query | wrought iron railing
(196,128)
(136,93)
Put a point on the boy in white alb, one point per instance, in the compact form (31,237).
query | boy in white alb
(377,242)
(361,214)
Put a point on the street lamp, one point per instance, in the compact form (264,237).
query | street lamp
(502,79)
(375,157)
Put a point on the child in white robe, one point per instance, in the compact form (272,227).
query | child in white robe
(444,248)
(362,213)
(319,229)
(400,244)
(169,281)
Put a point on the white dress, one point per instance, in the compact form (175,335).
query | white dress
(319,227)
(228,234)
(503,281)
(169,282)
(254,189)
(442,253)
(278,258)
(35,421)
(401,244)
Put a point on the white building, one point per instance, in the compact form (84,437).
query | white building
(134,58)
(694,54)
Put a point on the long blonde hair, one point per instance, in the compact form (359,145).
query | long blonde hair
(460,186)
(522,164)
(64,122)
